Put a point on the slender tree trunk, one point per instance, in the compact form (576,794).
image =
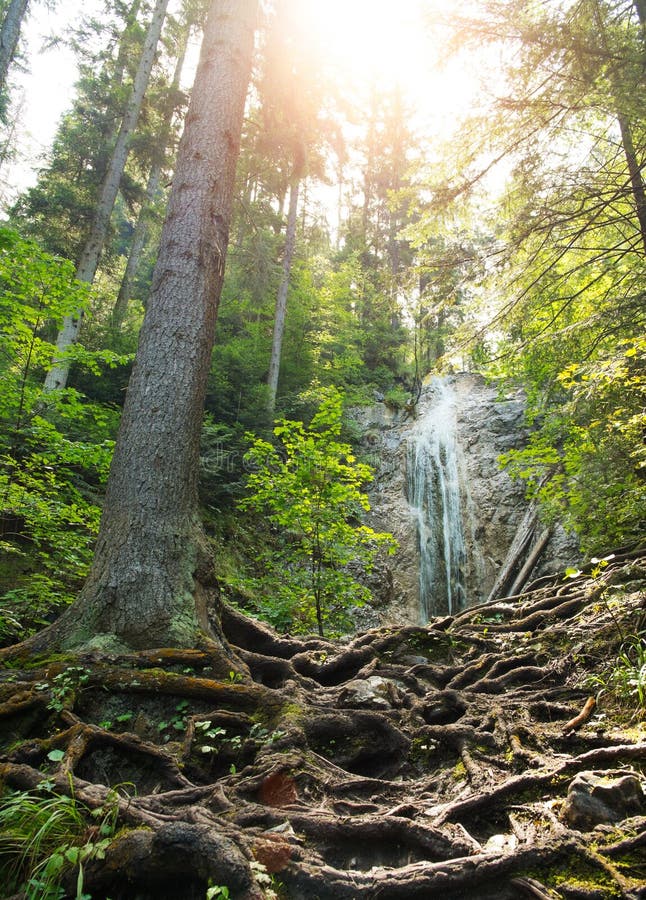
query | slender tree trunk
(635,172)
(136,247)
(368,184)
(89,260)
(151,570)
(625,126)
(122,56)
(9,36)
(281,298)
(152,187)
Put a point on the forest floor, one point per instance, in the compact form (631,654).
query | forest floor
(499,753)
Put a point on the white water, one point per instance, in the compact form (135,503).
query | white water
(435,499)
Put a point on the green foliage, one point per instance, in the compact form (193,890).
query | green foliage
(215,891)
(55,451)
(64,687)
(554,297)
(310,489)
(46,836)
(625,678)
(586,460)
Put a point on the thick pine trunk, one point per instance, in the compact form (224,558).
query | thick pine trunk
(151,571)
(281,298)
(86,270)
(9,36)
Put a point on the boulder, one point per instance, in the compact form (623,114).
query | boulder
(596,798)
(370,693)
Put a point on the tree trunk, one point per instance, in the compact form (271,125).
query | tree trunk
(122,56)
(281,299)
(635,172)
(516,554)
(136,247)
(89,260)
(9,36)
(532,558)
(625,126)
(152,186)
(151,570)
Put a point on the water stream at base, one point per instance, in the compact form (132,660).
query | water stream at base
(435,498)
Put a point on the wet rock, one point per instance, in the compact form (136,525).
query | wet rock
(596,798)
(370,693)
(493,505)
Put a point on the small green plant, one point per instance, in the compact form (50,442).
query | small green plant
(263,736)
(234,677)
(123,719)
(217,891)
(264,880)
(178,722)
(312,489)
(628,676)
(44,836)
(64,686)
(625,680)
(214,736)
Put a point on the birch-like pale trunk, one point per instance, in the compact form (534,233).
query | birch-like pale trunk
(152,187)
(89,260)
(136,247)
(152,572)
(281,297)
(9,36)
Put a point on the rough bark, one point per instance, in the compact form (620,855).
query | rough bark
(281,298)
(89,260)
(9,36)
(151,571)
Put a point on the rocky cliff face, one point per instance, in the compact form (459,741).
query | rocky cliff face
(439,489)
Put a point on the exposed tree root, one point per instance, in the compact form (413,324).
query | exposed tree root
(407,763)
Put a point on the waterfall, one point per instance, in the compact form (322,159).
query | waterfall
(435,498)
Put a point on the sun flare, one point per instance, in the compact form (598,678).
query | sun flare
(381,46)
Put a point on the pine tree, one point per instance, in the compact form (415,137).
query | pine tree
(151,575)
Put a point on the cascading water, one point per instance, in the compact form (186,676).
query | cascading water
(435,498)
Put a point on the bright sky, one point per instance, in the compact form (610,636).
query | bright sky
(365,41)
(44,90)
(389,44)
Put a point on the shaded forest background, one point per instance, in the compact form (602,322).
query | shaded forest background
(516,249)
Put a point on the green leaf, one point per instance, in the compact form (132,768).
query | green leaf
(56,755)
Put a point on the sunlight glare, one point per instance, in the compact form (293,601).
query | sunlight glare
(385,46)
